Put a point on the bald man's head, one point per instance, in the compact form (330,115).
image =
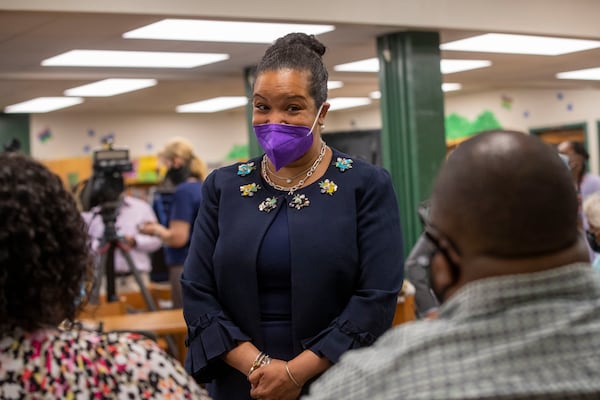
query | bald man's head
(505,194)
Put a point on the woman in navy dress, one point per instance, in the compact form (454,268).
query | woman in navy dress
(296,255)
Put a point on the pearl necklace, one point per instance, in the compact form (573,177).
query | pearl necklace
(298,185)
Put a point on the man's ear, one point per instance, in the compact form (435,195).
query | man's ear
(455,258)
(441,273)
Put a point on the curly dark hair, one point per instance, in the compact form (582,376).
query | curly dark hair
(44,256)
(299,52)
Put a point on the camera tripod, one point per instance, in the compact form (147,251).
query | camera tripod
(111,242)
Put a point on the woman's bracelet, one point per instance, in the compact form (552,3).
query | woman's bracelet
(260,360)
(287,369)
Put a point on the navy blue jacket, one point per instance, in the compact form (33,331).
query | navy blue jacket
(346,264)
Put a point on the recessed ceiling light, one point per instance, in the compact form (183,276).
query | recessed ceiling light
(446,66)
(368,65)
(451,87)
(592,74)
(213,105)
(520,44)
(42,105)
(446,87)
(334,84)
(138,59)
(452,66)
(110,87)
(221,31)
(339,103)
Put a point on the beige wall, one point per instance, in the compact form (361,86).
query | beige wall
(534,109)
(213,136)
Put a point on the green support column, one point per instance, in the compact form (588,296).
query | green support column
(254,149)
(412,110)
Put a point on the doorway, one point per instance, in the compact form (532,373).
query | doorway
(557,134)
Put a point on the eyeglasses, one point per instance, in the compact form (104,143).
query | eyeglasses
(435,238)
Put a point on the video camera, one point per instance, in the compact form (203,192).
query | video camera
(106,184)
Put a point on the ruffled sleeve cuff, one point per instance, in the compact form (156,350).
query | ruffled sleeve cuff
(337,339)
(208,339)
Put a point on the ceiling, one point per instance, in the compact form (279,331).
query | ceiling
(27,38)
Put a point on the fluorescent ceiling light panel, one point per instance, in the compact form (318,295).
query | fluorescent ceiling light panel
(520,44)
(221,31)
(43,104)
(452,66)
(132,59)
(451,87)
(110,87)
(368,65)
(446,66)
(339,103)
(213,105)
(592,74)
(334,85)
(446,87)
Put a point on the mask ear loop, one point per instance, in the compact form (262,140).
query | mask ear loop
(315,121)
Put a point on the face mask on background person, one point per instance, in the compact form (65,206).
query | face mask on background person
(591,239)
(177,175)
(285,143)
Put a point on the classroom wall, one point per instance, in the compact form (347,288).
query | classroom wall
(523,110)
(64,135)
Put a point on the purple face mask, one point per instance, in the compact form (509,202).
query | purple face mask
(284,143)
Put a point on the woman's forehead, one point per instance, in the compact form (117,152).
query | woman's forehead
(283,81)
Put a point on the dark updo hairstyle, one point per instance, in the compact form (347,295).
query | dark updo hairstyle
(44,256)
(299,52)
(579,148)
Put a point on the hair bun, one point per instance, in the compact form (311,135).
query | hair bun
(302,39)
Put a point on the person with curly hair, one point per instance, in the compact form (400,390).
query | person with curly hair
(45,275)
(296,255)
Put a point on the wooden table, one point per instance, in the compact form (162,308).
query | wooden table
(160,322)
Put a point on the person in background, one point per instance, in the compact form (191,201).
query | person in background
(296,255)
(45,270)
(185,173)
(520,313)
(585,182)
(131,213)
(591,210)
(416,268)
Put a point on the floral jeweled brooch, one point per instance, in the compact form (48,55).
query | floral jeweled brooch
(328,187)
(299,201)
(245,169)
(249,189)
(343,164)
(268,204)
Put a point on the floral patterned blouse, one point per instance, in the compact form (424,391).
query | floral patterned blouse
(79,364)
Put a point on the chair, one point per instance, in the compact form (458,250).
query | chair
(103,308)
(405,306)
(161,294)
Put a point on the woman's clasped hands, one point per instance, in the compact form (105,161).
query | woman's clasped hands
(272,382)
